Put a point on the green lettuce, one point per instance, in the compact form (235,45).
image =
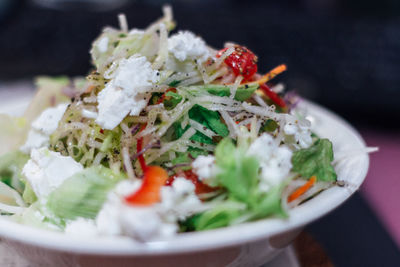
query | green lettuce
(210,119)
(83,194)
(11,165)
(243,92)
(315,160)
(238,174)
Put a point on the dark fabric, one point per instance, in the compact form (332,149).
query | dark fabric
(343,54)
(352,236)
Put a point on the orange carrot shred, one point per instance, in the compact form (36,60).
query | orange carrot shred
(270,75)
(302,189)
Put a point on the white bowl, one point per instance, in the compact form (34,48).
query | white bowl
(249,244)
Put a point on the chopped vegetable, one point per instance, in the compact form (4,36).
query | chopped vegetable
(149,193)
(242,61)
(83,194)
(302,189)
(315,161)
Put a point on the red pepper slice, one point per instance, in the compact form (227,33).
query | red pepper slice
(149,192)
(272,95)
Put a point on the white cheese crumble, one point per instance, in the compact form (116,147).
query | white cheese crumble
(126,93)
(147,223)
(298,134)
(186,46)
(43,127)
(89,114)
(275,160)
(81,226)
(102,45)
(179,200)
(206,170)
(47,170)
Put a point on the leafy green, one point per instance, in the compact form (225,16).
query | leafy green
(83,194)
(270,203)
(29,195)
(239,175)
(220,216)
(13,133)
(171,100)
(11,165)
(238,172)
(208,118)
(243,92)
(174,83)
(269,126)
(315,160)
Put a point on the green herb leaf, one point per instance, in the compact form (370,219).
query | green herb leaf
(315,160)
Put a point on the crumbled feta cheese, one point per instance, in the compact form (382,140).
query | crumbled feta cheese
(35,139)
(205,168)
(48,121)
(146,223)
(298,134)
(102,45)
(186,46)
(107,220)
(47,170)
(89,114)
(275,161)
(126,93)
(179,200)
(43,127)
(81,226)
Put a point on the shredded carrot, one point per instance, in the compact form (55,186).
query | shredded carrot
(270,75)
(302,189)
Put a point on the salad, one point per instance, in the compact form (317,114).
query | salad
(166,135)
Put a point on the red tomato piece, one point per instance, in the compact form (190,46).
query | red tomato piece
(201,188)
(242,61)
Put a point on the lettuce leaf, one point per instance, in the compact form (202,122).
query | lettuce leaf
(238,174)
(11,165)
(243,92)
(83,194)
(315,160)
(13,133)
(208,118)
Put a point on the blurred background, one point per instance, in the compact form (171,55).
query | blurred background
(342,54)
